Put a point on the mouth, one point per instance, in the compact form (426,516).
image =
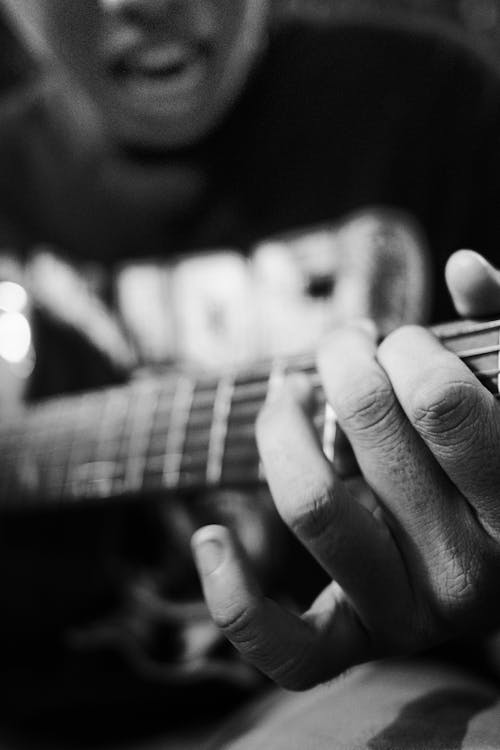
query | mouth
(175,71)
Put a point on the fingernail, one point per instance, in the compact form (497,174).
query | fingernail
(209,554)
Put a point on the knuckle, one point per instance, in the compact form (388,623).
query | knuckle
(458,585)
(236,622)
(314,516)
(368,405)
(440,407)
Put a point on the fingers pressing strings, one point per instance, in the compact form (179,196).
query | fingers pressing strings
(455,417)
(394,460)
(347,540)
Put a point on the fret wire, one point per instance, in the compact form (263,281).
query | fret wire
(176,431)
(115,406)
(106,474)
(154,442)
(48,456)
(78,449)
(202,417)
(73,443)
(143,414)
(160,422)
(218,432)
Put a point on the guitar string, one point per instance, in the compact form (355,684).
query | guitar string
(258,388)
(202,417)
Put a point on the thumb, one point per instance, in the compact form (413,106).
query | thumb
(474,284)
(296,652)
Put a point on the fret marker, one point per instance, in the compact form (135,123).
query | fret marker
(218,430)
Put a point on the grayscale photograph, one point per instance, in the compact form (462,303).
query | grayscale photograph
(249,374)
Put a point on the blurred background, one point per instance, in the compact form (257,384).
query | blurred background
(479,19)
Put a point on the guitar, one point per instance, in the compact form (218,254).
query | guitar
(174,433)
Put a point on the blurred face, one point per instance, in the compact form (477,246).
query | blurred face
(161,72)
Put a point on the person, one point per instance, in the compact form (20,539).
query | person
(163,127)
(413,562)
(187,126)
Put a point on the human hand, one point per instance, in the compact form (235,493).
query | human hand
(474,284)
(414,557)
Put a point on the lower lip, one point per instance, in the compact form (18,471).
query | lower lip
(179,87)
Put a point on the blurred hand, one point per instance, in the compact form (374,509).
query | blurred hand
(474,284)
(413,548)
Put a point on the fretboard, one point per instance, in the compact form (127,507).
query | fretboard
(174,432)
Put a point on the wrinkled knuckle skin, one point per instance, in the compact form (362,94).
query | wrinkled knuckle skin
(457,590)
(236,623)
(439,409)
(369,405)
(316,515)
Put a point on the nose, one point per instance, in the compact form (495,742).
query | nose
(198,17)
(147,6)
(139,13)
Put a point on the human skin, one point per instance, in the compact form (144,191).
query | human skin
(414,558)
(161,72)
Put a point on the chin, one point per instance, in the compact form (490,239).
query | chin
(144,130)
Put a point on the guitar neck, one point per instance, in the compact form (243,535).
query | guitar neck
(173,433)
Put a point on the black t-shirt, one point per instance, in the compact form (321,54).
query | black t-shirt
(336,117)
